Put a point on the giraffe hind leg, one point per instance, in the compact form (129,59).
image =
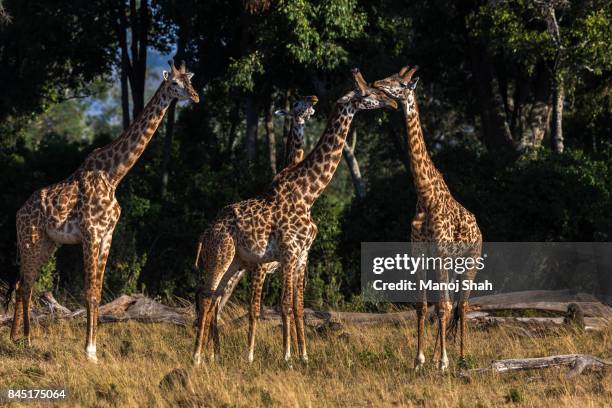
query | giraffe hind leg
(33,257)
(18,313)
(219,263)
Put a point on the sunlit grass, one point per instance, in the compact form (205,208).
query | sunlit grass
(352,366)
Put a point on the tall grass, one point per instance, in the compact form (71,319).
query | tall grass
(352,366)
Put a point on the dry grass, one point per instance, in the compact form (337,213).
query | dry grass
(354,366)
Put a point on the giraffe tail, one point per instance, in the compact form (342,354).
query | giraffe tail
(196,263)
(196,269)
(13,281)
(453,323)
(8,295)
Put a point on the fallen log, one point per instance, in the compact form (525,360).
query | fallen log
(139,307)
(577,362)
(53,306)
(591,323)
(145,310)
(545,300)
(126,307)
(316,318)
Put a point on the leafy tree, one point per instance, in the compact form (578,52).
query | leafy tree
(50,51)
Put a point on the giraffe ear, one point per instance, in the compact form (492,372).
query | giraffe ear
(190,75)
(166,75)
(347,97)
(413,83)
(281,112)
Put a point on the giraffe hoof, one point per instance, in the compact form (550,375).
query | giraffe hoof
(197,359)
(92,357)
(443,365)
(419,362)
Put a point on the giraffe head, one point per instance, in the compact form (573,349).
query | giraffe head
(400,86)
(177,83)
(301,109)
(364,97)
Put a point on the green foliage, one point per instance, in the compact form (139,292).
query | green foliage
(53,51)
(316,30)
(47,275)
(241,71)
(522,29)
(514,395)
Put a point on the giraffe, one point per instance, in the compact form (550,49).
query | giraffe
(277,226)
(83,209)
(439,218)
(301,111)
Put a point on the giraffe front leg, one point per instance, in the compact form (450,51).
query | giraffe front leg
(421,309)
(469,275)
(258,276)
(298,305)
(104,250)
(443,309)
(91,252)
(288,270)
(419,247)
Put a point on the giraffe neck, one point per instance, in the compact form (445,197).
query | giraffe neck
(428,181)
(310,177)
(294,150)
(119,157)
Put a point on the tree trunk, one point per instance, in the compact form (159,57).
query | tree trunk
(556,136)
(538,120)
(167,147)
(139,22)
(231,134)
(353,166)
(271,137)
(135,65)
(124,68)
(398,137)
(252,122)
(286,126)
(171,118)
(125,93)
(496,134)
